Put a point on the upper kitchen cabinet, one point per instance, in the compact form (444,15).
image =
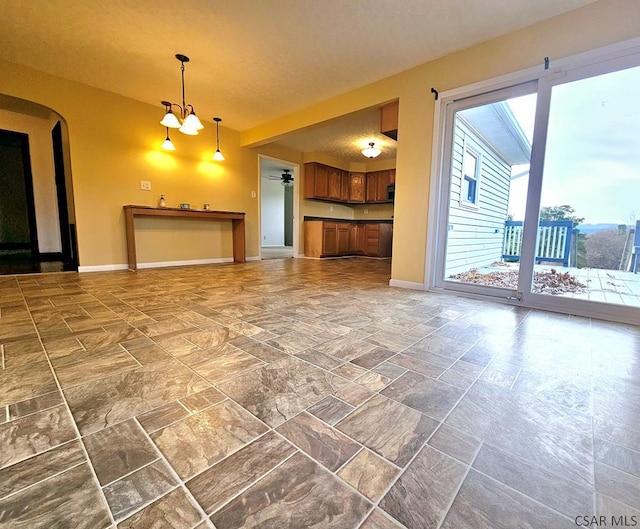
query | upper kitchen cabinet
(338,185)
(389,120)
(335,185)
(357,183)
(378,183)
(325,182)
(316,180)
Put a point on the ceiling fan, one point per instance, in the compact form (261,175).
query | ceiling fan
(286,178)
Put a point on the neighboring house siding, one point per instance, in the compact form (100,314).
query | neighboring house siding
(476,231)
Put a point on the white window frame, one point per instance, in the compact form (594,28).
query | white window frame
(477,154)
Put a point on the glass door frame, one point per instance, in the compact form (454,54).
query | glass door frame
(596,62)
(452,108)
(538,152)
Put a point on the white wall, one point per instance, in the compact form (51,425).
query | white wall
(272,213)
(44,188)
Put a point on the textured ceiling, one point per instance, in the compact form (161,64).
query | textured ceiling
(251,60)
(344,137)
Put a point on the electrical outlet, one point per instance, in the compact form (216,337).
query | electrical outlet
(145,185)
(330,208)
(366,211)
(253,194)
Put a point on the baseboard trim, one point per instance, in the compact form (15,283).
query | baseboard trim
(406,284)
(102,268)
(192,262)
(254,258)
(160,264)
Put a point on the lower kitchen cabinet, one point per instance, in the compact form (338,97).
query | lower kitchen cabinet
(334,239)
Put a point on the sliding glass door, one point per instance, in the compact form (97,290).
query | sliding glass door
(549,216)
(488,154)
(587,191)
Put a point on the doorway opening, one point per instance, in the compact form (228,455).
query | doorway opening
(37,220)
(277,206)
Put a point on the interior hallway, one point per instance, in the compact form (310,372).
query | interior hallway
(302,393)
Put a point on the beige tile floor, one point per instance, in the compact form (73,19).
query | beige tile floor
(295,393)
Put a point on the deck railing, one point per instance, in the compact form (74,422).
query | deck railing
(554,241)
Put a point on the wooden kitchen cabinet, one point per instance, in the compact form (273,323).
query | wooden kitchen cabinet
(389,120)
(335,184)
(332,184)
(357,182)
(344,189)
(343,229)
(378,239)
(324,238)
(330,238)
(316,180)
(325,182)
(377,183)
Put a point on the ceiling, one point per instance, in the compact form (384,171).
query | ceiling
(343,137)
(252,60)
(270,167)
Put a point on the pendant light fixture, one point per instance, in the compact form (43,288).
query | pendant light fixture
(187,122)
(217,156)
(371,151)
(167,144)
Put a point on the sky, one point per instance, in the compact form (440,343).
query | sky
(592,159)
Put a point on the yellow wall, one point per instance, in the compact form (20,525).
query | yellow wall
(596,25)
(114,144)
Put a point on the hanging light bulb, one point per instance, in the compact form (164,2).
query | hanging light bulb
(192,121)
(169,120)
(217,156)
(371,151)
(167,144)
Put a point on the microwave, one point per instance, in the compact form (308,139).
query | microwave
(391,192)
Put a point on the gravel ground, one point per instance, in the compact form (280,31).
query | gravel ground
(551,282)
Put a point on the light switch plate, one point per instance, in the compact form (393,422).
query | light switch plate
(145,185)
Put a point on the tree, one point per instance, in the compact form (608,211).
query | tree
(564,212)
(604,249)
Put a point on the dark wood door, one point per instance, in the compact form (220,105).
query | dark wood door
(17,205)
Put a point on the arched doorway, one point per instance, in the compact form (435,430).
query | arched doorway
(37,219)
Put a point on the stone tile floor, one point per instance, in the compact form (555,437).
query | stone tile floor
(295,393)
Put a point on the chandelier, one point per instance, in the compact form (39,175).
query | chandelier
(186,121)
